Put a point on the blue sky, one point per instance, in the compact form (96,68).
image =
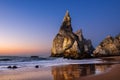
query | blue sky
(29,26)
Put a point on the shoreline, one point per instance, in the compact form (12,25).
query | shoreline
(111,74)
(106,71)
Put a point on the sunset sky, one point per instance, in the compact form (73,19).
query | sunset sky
(27,27)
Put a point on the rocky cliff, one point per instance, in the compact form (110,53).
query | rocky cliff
(69,44)
(110,46)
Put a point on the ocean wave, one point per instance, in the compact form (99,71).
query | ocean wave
(45,62)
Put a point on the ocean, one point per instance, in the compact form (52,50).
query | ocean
(51,68)
(20,62)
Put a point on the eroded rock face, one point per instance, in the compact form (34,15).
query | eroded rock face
(64,39)
(85,44)
(110,46)
(69,44)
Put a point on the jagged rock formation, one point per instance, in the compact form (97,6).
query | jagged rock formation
(87,43)
(110,46)
(68,44)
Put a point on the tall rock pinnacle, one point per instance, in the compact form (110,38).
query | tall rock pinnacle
(66,24)
(65,38)
(68,44)
(67,17)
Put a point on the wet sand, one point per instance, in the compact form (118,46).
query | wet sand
(66,72)
(112,74)
(27,74)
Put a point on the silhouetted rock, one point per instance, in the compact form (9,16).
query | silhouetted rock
(9,67)
(12,67)
(110,46)
(36,66)
(68,44)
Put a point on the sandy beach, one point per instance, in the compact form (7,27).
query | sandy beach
(112,74)
(66,72)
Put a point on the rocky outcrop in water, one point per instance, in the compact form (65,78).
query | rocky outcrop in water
(110,46)
(69,44)
(12,67)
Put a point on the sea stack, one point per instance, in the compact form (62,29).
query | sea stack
(68,44)
(110,46)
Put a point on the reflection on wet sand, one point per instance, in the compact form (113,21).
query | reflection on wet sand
(75,71)
(99,68)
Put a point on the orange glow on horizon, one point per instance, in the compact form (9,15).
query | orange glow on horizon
(21,50)
(11,46)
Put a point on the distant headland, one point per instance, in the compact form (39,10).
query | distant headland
(73,45)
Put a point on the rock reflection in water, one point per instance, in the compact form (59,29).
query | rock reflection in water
(75,71)
(99,68)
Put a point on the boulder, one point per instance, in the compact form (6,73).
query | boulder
(37,66)
(12,67)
